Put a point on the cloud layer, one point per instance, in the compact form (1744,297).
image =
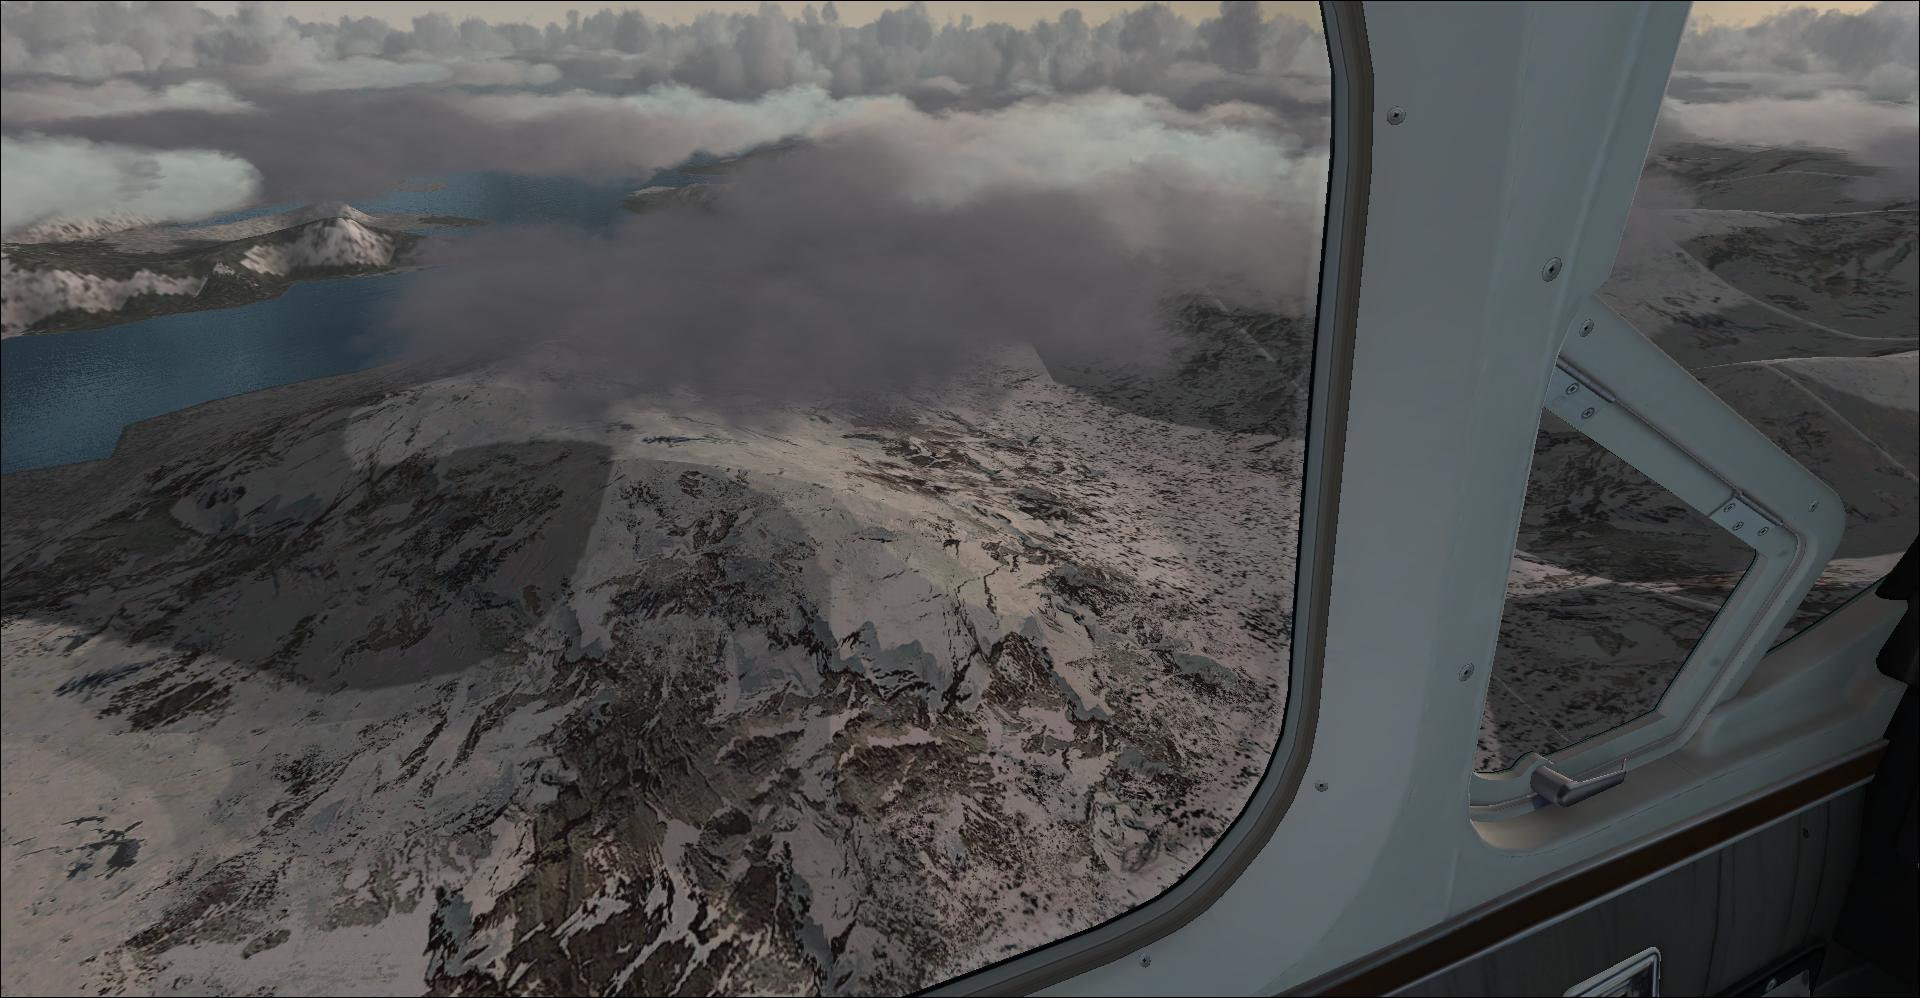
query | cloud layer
(1875,51)
(1237,55)
(893,245)
(953,185)
(67,178)
(1807,78)
(346,144)
(1878,134)
(61,100)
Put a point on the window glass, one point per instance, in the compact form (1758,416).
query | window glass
(697,502)
(1770,250)
(1613,582)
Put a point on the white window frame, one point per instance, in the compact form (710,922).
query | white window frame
(1623,392)
(1504,135)
(1280,784)
(1501,135)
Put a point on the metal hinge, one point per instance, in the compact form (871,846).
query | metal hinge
(1573,399)
(1737,517)
(1559,788)
(1579,401)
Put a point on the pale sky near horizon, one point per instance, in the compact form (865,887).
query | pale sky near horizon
(1021,13)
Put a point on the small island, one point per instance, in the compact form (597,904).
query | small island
(61,278)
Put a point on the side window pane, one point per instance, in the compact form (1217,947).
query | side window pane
(735,499)
(1613,582)
(1851,421)
(1771,250)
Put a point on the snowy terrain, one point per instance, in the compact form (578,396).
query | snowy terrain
(405,680)
(333,242)
(389,678)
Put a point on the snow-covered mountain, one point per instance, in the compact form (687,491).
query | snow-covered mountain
(326,244)
(389,678)
(144,271)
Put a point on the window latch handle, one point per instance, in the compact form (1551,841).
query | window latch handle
(1564,790)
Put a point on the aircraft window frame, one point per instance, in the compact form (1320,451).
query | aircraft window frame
(1786,593)
(1569,400)
(1643,407)
(1342,241)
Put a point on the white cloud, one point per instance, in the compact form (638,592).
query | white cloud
(59,100)
(1148,50)
(504,73)
(49,179)
(1878,134)
(680,120)
(1067,142)
(1835,120)
(351,73)
(1807,78)
(1801,41)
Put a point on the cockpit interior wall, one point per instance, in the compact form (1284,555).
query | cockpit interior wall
(1717,919)
(1882,914)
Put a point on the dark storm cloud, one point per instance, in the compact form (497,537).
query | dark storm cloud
(856,264)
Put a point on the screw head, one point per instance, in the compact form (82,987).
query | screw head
(1586,328)
(1321,786)
(1466,672)
(1728,509)
(1762,531)
(1146,961)
(1573,389)
(1396,115)
(1812,506)
(1738,524)
(1587,413)
(1551,270)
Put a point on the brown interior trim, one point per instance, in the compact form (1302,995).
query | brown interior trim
(1488,928)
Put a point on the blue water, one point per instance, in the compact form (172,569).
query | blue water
(499,198)
(504,199)
(65,397)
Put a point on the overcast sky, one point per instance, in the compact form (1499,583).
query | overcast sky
(366,94)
